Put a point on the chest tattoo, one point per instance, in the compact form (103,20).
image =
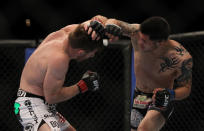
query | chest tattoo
(168,63)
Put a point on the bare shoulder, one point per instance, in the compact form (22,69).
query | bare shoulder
(178,50)
(175,56)
(60,34)
(69,28)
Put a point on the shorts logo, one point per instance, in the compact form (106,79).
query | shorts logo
(136,118)
(54,124)
(49,115)
(31,111)
(21,93)
(16,107)
(29,127)
(17,111)
(51,107)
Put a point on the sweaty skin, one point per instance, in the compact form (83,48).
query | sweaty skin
(45,71)
(158,64)
(49,51)
(158,69)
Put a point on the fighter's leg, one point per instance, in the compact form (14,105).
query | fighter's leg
(70,128)
(63,123)
(135,119)
(44,127)
(153,121)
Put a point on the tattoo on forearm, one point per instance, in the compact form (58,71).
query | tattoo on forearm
(127,28)
(186,71)
(168,64)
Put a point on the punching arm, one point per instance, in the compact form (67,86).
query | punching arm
(126,29)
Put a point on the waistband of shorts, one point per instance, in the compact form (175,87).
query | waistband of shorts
(22,93)
(137,91)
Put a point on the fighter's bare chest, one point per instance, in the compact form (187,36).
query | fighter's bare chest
(154,72)
(156,65)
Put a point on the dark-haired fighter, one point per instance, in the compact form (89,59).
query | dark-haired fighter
(159,62)
(42,79)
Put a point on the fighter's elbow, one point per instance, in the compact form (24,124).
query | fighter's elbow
(189,91)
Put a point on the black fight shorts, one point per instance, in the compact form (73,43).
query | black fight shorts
(142,103)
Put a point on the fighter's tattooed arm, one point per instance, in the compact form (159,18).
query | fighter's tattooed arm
(127,29)
(186,71)
(100,18)
(184,80)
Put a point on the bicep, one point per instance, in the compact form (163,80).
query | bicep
(130,30)
(185,72)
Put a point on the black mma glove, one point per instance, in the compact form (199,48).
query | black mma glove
(163,97)
(89,81)
(98,28)
(113,29)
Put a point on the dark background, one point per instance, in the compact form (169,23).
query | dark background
(47,16)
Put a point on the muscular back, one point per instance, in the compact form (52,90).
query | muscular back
(160,68)
(36,67)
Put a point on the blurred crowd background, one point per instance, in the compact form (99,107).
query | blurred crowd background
(33,19)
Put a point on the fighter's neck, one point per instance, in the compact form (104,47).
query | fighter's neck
(68,49)
(157,51)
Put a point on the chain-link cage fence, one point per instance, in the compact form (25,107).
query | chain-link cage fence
(109,108)
(189,113)
(11,65)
